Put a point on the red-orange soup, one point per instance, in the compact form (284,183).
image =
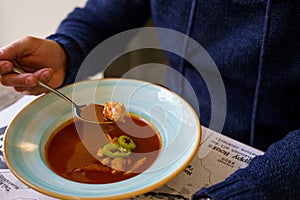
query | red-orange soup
(67,155)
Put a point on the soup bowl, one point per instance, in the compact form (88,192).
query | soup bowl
(173,118)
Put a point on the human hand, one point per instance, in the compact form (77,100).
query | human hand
(44,60)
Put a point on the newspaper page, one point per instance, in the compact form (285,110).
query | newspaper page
(217,158)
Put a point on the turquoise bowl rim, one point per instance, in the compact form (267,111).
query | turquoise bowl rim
(31,160)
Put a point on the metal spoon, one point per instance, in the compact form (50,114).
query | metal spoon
(77,108)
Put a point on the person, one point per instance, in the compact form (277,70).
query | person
(255,45)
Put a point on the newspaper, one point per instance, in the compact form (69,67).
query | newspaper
(217,158)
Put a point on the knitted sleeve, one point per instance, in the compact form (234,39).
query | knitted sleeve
(274,175)
(86,27)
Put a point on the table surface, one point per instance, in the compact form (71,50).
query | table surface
(8,96)
(218,157)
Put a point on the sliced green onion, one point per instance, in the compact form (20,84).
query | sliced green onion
(113,151)
(126,142)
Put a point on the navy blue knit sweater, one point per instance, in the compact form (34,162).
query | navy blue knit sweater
(256,47)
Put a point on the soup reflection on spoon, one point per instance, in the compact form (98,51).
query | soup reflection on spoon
(111,112)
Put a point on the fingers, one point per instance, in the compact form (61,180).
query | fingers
(5,67)
(28,83)
(39,57)
(44,75)
(19,80)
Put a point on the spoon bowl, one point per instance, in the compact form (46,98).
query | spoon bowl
(78,109)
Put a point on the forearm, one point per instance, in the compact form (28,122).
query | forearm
(274,175)
(86,27)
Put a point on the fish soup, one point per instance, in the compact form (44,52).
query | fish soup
(78,151)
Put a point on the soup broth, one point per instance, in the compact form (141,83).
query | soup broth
(73,151)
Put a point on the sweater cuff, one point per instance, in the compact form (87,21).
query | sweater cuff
(231,188)
(75,55)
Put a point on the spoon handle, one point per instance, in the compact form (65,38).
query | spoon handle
(19,71)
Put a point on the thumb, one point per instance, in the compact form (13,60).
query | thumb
(19,48)
(8,52)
